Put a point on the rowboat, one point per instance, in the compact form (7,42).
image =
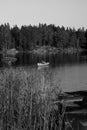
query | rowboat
(43,64)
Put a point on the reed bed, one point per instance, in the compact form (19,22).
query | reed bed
(27,101)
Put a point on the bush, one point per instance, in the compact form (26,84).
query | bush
(26,103)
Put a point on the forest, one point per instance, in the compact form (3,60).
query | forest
(29,37)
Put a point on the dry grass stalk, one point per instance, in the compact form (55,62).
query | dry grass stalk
(26,104)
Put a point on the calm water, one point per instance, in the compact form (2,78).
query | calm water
(67,71)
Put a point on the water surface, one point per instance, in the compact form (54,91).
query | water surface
(68,71)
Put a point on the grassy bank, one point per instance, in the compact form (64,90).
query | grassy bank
(25,104)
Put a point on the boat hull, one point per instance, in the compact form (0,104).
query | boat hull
(42,64)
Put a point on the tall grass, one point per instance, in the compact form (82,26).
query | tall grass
(27,101)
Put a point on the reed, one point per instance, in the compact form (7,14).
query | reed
(27,103)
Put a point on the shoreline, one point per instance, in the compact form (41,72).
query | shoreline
(53,50)
(45,50)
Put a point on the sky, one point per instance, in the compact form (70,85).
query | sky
(67,13)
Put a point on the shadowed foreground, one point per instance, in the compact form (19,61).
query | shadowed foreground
(26,104)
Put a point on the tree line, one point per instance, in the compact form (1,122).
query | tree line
(29,37)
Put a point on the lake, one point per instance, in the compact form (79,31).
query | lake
(68,71)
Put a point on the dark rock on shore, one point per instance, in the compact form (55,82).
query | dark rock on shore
(75,101)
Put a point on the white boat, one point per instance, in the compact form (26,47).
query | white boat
(43,64)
